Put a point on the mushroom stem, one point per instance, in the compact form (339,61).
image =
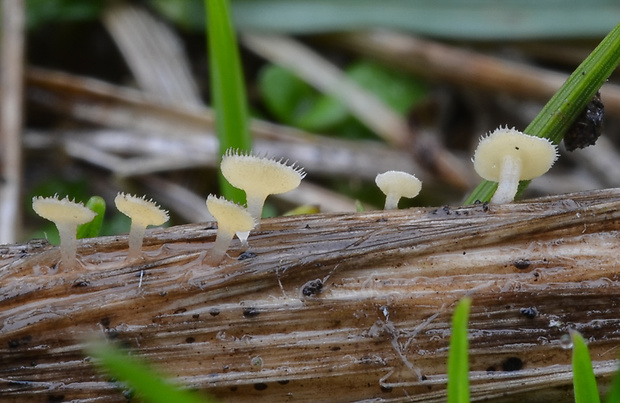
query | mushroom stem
(68,244)
(391,201)
(222,241)
(136,236)
(255,206)
(510,172)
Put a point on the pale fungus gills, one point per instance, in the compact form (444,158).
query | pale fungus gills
(397,184)
(67,215)
(259,177)
(508,156)
(231,218)
(142,213)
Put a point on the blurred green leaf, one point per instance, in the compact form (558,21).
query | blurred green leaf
(613,396)
(451,19)
(93,228)
(584,382)
(458,357)
(147,385)
(42,11)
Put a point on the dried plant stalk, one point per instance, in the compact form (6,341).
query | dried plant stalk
(338,307)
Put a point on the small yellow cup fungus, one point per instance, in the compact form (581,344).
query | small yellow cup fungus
(508,156)
(67,215)
(397,184)
(142,213)
(231,218)
(259,177)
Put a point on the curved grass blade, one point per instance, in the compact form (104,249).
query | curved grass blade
(458,365)
(92,229)
(566,105)
(228,89)
(584,382)
(614,393)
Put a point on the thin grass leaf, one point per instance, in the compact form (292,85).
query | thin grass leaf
(93,228)
(584,382)
(566,105)
(458,365)
(228,89)
(138,376)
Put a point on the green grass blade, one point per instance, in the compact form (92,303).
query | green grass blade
(613,395)
(564,107)
(584,382)
(148,386)
(92,229)
(227,87)
(458,359)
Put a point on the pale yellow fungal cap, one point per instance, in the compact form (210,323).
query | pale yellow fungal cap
(140,210)
(406,185)
(397,184)
(258,175)
(230,216)
(536,154)
(62,210)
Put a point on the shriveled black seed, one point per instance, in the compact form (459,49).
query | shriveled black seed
(312,288)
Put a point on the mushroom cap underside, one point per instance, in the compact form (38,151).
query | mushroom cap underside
(140,210)
(536,154)
(230,216)
(258,175)
(405,184)
(62,210)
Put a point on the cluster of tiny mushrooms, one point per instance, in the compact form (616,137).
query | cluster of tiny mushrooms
(506,156)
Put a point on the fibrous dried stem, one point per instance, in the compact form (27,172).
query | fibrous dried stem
(339,307)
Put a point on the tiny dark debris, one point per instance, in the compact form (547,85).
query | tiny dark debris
(233,388)
(386,388)
(111,334)
(485,207)
(250,312)
(55,398)
(382,219)
(312,287)
(307,226)
(105,322)
(512,364)
(529,313)
(180,310)
(283,382)
(423,377)
(522,264)
(260,386)
(335,348)
(247,255)
(446,209)
(13,343)
(491,369)
(214,312)
(190,340)
(196,316)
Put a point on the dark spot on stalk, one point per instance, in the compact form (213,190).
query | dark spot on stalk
(247,255)
(491,369)
(260,386)
(196,316)
(382,219)
(233,388)
(386,389)
(283,382)
(105,322)
(485,207)
(307,226)
(190,340)
(522,264)
(335,348)
(180,310)
(312,287)
(250,312)
(512,364)
(13,343)
(530,312)
(55,398)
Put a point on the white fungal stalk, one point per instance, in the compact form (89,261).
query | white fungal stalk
(510,172)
